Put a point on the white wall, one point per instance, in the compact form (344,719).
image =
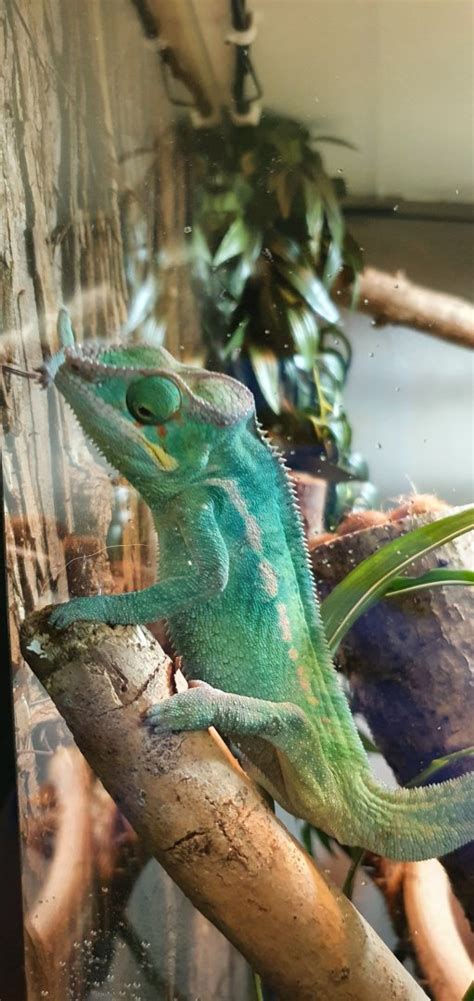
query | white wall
(410,396)
(395,77)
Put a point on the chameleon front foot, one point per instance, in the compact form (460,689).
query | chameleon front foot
(77,610)
(202,706)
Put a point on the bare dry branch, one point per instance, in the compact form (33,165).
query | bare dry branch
(438,945)
(204,821)
(396,300)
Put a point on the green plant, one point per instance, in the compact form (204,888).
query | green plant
(378,577)
(268,243)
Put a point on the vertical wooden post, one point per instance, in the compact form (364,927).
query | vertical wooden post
(85,125)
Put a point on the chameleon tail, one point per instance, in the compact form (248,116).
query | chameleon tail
(411,824)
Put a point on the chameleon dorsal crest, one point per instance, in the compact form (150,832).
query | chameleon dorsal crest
(236,590)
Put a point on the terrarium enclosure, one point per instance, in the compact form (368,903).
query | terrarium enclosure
(284,195)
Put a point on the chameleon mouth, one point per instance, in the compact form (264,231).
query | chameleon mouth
(85,367)
(164,459)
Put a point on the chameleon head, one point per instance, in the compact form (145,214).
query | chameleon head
(155,420)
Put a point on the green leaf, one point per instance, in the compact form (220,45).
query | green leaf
(285,185)
(437,764)
(432,578)
(283,246)
(367,743)
(236,241)
(236,341)
(307,830)
(357,859)
(304,329)
(335,141)
(332,265)
(314,210)
(333,337)
(267,374)
(369,581)
(257,982)
(333,364)
(200,248)
(333,212)
(310,288)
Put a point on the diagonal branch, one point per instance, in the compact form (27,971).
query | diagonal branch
(396,300)
(203,819)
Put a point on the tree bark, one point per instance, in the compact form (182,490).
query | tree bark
(84,129)
(396,300)
(410,666)
(203,819)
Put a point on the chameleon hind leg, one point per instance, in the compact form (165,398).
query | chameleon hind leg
(281,723)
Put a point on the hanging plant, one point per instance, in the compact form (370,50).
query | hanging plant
(267,245)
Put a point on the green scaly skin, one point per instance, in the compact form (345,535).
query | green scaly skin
(237,593)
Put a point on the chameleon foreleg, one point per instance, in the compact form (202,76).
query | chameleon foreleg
(208,561)
(233,715)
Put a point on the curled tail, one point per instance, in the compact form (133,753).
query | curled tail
(411,824)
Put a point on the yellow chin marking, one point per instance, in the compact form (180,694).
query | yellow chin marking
(164,460)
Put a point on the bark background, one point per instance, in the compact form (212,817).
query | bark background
(410,664)
(87,160)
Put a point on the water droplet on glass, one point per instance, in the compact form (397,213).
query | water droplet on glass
(366,302)
(188,229)
(371,354)
(396,208)
(397,389)
(379,444)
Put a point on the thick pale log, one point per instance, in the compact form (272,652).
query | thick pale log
(436,940)
(205,822)
(396,300)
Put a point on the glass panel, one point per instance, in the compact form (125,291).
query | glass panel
(284,196)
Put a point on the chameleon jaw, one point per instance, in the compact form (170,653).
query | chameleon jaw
(164,459)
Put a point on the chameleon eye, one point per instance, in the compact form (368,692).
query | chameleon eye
(153,399)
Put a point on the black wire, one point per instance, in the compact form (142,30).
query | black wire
(147,19)
(240,18)
(243,65)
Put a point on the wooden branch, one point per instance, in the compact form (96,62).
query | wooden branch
(203,819)
(436,940)
(52,920)
(396,300)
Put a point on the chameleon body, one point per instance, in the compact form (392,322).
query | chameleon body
(235,587)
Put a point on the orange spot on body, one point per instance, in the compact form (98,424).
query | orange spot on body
(305,684)
(161,431)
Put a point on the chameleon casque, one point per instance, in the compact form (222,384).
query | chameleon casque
(236,590)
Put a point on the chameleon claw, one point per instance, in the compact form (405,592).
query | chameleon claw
(155,719)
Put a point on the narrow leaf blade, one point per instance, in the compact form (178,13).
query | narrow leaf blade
(369,581)
(310,288)
(433,578)
(265,366)
(234,242)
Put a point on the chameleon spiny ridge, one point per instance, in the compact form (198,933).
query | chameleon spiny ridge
(238,596)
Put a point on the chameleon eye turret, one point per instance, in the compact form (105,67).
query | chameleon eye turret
(153,399)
